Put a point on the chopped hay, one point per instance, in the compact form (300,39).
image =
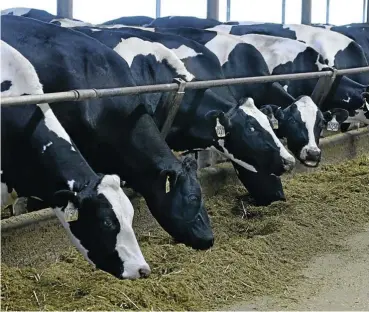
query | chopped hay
(258,251)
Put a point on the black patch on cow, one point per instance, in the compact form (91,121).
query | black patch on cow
(5,85)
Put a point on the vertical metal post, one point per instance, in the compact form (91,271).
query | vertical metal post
(328,11)
(283,11)
(306,12)
(366,2)
(228,18)
(65,8)
(213,9)
(158,8)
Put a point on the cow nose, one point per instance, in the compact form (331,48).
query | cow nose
(144,272)
(313,154)
(288,164)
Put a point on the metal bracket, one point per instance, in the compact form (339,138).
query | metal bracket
(174,107)
(323,87)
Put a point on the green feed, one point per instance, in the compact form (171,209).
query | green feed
(258,251)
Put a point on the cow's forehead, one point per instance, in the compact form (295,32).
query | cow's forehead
(307,108)
(250,109)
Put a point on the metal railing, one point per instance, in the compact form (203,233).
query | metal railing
(84,94)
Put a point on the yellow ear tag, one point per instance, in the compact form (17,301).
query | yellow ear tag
(219,129)
(70,213)
(167,185)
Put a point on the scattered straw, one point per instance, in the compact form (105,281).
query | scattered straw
(259,254)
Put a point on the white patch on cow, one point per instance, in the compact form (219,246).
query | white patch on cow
(328,43)
(131,47)
(46,146)
(285,87)
(76,242)
(226,29)
(5,195)
(26,81)
(71,184)
(125,26)
(230,156)
(308,111)
(347,100)
(184,52)
(276,50)
(53,124)
(68,23)
(359,117)
(249,108)
(16,11)
(222,45)
(126,246)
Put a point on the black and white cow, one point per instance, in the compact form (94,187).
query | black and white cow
(337,50)
(300,121)
(130,21)
(193,130)
(114,134)
(285,56)
(183,21)
(39,158)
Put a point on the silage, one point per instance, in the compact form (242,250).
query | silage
(258,251)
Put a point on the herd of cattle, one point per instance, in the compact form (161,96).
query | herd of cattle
(56,152)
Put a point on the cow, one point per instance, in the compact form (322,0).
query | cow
(285,56)
(130,21)
(337,50)
(114,134)
(300,121)
(161,66)
(39,158)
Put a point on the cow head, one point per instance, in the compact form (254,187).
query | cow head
(98,217)
(180,207)
(301,124)
(249,140)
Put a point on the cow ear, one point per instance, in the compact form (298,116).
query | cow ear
(267,110)
(341,114)
(220,116)
(327,116)
(62,197)
(274,114)
(171,177)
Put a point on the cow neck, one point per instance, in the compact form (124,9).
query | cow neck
(63,164)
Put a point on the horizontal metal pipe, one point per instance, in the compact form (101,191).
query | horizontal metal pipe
(79,95)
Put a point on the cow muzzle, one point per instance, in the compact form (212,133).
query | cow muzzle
(310,157)
(134,271)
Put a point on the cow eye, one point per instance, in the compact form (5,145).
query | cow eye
(252,129)
(108,223)
(193,198)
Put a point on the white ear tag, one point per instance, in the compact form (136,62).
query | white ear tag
(70,213)
(274,122)
(333,125)
(219,129)
(167,185)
